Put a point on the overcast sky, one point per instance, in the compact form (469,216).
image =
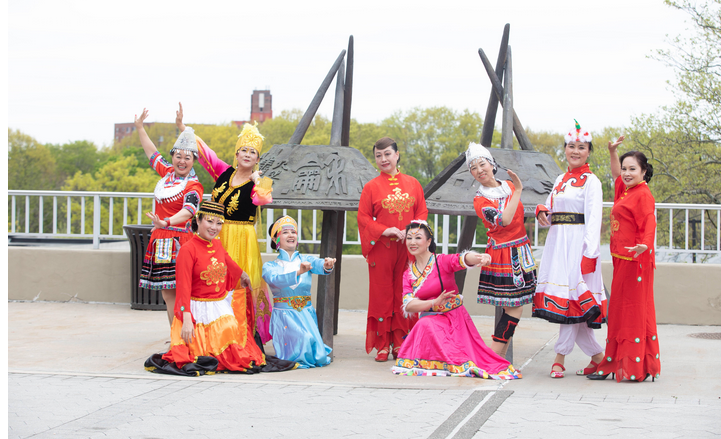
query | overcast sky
(76,67)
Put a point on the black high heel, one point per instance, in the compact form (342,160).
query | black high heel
(596,376)
(653,379)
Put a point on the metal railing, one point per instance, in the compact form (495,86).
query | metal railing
(682,228)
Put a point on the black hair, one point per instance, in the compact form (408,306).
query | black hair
(590,146)
(642,162)
(385,142)
(273,245)
(426,231)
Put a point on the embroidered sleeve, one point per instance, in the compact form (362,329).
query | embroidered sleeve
(408,293)
(159,164)
(493,216)
(261,193)
(191,202)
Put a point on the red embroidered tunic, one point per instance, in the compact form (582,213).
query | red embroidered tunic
(387,201)
(204,272)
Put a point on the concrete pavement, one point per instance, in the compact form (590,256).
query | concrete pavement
(76,370)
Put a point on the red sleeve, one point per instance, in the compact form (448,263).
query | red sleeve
(420,207)
(234,272)
(588,265)
(183,280)
(541,208)
(646,219)
(159,164)
(618,187)
(370,230)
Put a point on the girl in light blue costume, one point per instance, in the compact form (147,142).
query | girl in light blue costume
(293,323)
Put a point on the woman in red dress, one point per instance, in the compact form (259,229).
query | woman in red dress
(177,197)
(205,335)
(632,347)
(387,204)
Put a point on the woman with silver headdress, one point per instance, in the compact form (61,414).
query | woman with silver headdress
(177,197)
(510,280)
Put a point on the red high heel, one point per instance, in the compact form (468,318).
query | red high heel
(555,374)
(395,353)
(382,355)
(588,370)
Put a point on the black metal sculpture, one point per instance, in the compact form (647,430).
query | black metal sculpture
(452,191)
(327,177)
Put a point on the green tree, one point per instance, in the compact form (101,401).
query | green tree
(78,156)
(31,166)
(430,138)
(683,141)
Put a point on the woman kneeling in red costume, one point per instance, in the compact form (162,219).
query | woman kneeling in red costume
(205,335)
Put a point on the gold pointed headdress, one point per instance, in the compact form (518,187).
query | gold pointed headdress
(251,137)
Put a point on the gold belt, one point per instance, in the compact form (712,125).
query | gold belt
(558,218)
(296,302)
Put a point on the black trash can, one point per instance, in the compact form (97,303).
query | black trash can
(141,298)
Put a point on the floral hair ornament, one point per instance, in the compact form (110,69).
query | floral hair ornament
(578,135)
(249,136)
(186,142)
(211,208)
(284,222)
(475,152)
(420,223)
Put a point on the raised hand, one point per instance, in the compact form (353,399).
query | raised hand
(613,146)
(179,118)
(139,120)
(515,180)
(157,222)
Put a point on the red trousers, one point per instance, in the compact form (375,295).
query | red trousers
(386,325)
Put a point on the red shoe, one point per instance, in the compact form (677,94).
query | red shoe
(395,353)
(588,370)
(555,374)
(382,355)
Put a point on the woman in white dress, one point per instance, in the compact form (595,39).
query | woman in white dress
(570,287)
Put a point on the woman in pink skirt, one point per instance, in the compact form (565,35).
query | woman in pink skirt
(444,342)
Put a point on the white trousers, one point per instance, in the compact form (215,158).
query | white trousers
(579,334)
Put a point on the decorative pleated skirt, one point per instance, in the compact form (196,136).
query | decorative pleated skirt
(241,243)
(296,336)
(510,279)
(158,271)
(632,349)
(448,344)
(217,334)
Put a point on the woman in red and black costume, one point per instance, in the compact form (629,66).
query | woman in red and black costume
(570,286)
(387,204)
(205,335)
(632,350)
(177,197)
